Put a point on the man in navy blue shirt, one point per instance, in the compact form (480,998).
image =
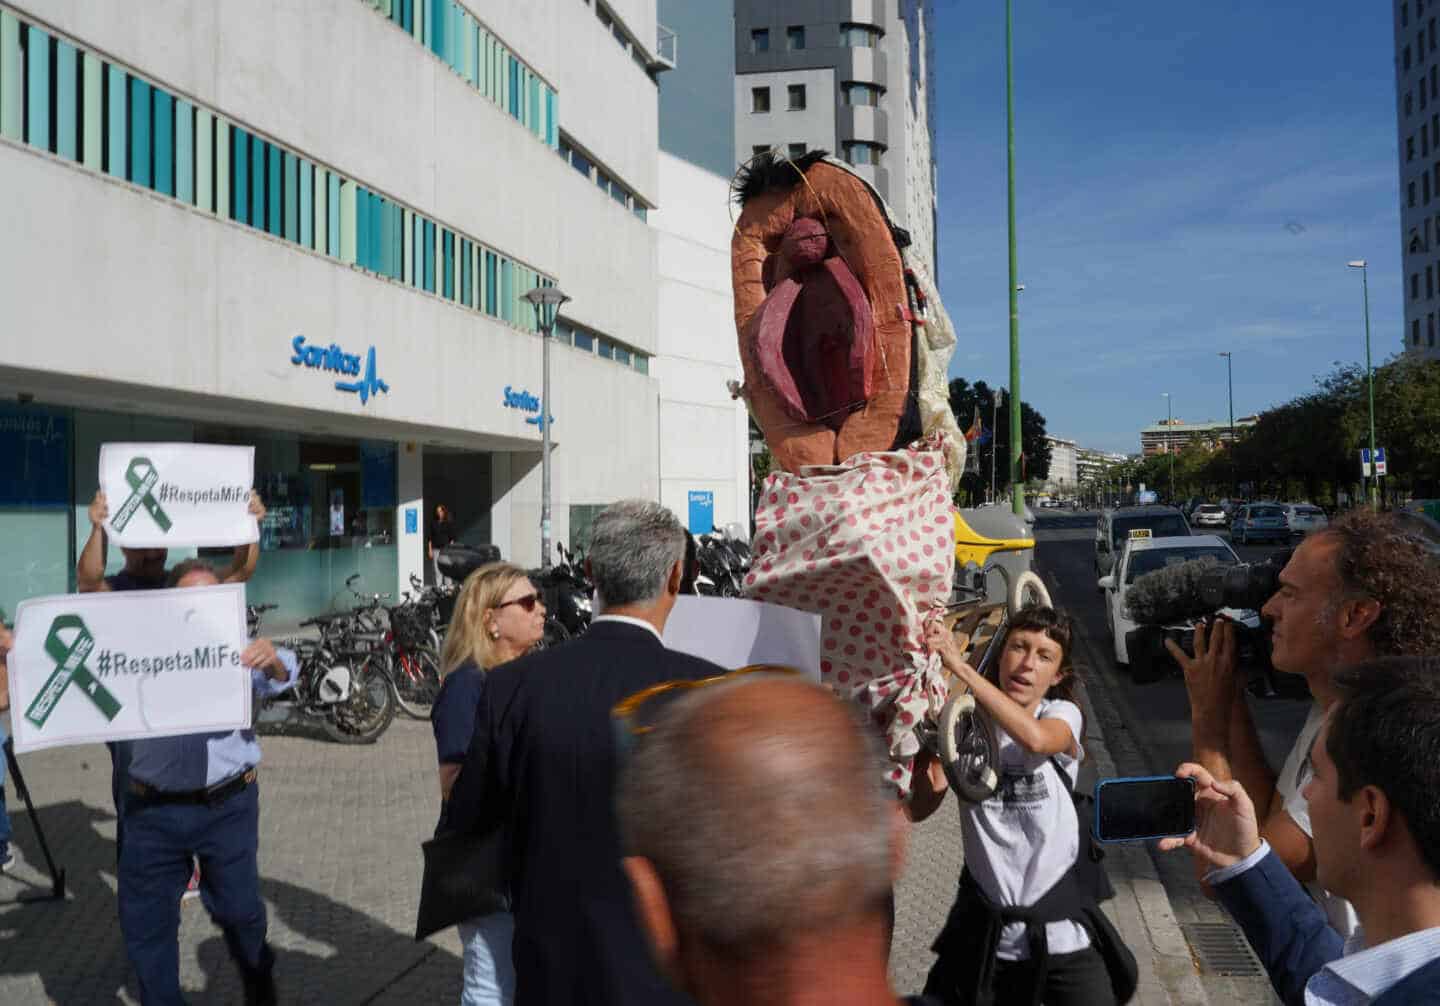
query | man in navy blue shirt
(195,797)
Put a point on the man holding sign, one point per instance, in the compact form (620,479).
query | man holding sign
(194,796)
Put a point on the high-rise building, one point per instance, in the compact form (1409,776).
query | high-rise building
(309,228)
(849,76)
(1063,474)
(1417,112)
(1174,435)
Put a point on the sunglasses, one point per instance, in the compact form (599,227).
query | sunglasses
(636,715)
(527,602)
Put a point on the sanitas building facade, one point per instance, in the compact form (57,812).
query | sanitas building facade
(310,227)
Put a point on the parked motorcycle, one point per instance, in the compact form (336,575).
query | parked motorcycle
(567,592)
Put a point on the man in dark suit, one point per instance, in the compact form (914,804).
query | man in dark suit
(1372,798)
(543,763)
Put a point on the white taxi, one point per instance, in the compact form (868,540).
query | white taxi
(1144,554)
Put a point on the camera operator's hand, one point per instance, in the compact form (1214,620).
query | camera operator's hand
(1226,830)
(1210,674)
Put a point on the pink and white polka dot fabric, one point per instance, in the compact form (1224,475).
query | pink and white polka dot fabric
(870,547)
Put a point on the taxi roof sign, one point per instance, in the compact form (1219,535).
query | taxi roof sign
(1139,532)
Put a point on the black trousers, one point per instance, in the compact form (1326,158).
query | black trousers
(1077,979)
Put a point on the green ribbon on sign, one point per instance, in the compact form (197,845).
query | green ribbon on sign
(140,485)
(70,668)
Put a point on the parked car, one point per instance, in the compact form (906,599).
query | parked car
(1305,518)
(1116,527)
(1259,522)
(1209,515)
(1145,555)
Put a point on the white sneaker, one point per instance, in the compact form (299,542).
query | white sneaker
(7,860)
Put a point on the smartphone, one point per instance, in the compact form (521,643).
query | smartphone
(1137,809)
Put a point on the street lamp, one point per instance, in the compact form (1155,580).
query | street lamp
(546,301)
(1363,266)
(1230,385)
(1017,488)
(994,437)
(1170,447)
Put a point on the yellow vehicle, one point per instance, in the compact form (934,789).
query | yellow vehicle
(974,548)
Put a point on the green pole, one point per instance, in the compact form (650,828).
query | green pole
(1017,486)
(1370,378)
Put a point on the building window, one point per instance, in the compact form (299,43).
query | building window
(1404,15)
(642,213)
(1409,101)
(759,99)
(1434,82)
(642,363)
(1410,148)
(584,341)
(760,40)
(1430,333)
(1405,61)
(1435,125)
(861,152)
(796,151)
(1414,286)
(1429,282)
(622,356)
(795,37)
(859,93)
(862,36)
(1411,194)
(1415,332)
(605,348)
(96,114)
(1425,186)
(796,94)
(1432,34)
(758,149)
(1423,96)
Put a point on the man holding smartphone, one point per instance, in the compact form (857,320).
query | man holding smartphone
(1360,589)
(1371,797)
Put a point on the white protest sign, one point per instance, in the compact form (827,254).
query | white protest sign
(735,633)
(125,665)
(173,495)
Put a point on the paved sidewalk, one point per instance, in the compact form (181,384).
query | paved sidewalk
(340,864)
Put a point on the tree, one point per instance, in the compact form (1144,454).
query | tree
(965,400)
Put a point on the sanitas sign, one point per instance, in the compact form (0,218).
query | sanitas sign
(335,359)
(525,402)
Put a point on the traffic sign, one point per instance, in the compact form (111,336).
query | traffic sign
(1380,466)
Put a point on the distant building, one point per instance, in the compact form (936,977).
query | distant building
(1063,458)
(1173,436)
(849,76)
(1090,464)
(1417,116)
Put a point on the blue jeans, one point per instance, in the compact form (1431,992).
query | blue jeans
(4,817)
(155,866)
(489,971)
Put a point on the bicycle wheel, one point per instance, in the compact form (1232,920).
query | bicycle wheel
(415,677)
(363,715)
(1027,591)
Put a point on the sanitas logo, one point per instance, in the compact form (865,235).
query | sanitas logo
(334,358)
(522,400)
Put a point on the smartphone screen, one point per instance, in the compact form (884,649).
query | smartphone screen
(1129,810)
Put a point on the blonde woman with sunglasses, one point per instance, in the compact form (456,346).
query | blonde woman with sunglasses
(498,616)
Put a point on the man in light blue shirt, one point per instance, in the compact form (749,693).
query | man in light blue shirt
(1374,801)
(194,797)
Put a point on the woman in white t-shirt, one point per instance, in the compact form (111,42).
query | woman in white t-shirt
(1023,928)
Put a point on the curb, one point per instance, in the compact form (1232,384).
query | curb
(1141,910)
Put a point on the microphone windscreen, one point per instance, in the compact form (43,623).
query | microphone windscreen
(1169,594)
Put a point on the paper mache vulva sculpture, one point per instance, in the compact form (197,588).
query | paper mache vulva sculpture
(845,346)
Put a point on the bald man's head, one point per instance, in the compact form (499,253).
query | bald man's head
(760,804)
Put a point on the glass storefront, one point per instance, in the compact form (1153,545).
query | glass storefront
(330,501)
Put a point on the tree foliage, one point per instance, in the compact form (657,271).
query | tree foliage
(965,400)
(1309,447)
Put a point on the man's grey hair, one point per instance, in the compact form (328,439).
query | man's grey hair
(633,546)
(754,847)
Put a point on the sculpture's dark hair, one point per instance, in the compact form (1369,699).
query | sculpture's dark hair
(766,172)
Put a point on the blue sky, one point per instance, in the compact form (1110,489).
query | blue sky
(1190,178)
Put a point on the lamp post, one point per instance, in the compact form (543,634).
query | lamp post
(546,301)
(994,437)
(1230,385)
(1170,446)
(1017,488)
(1364,268)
